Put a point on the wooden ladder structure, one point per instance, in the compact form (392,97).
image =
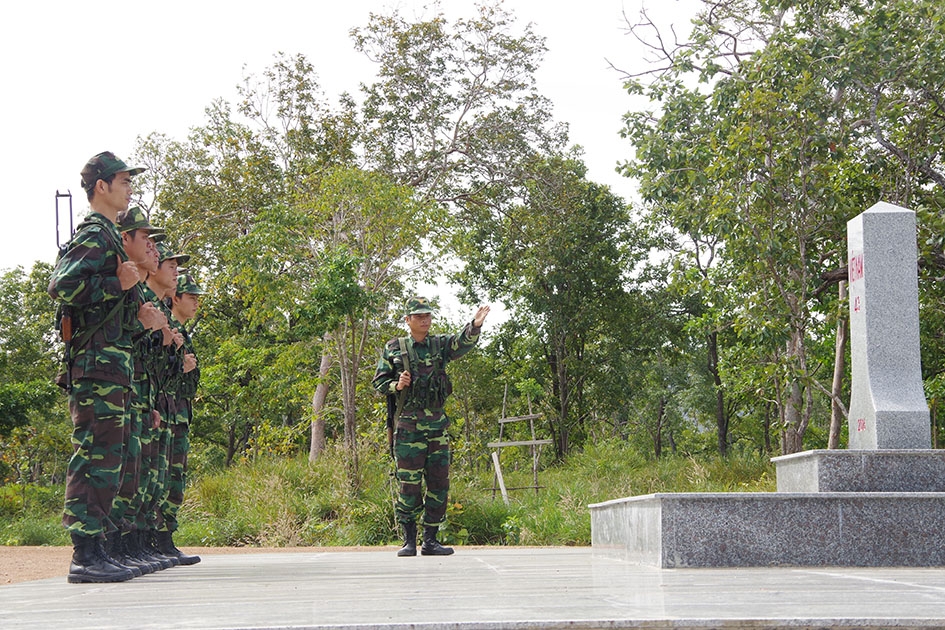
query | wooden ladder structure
(534,444)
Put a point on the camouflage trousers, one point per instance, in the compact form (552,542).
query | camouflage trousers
(159,463)
(422,450)
(127,502)
(176,475)
(143,504)
(99,416)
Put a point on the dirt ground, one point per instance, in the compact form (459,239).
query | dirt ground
(22,564)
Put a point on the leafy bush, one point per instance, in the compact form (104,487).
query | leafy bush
(34,530)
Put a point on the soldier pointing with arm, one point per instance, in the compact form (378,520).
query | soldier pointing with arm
(414,368)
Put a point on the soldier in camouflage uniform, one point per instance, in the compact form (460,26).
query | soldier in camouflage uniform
(414,368)
(161,286)
(93,282)
(184,305)
(139,240)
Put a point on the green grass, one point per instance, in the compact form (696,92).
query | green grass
(289,502)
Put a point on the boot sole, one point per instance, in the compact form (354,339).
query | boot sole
(189,560)
(87,579)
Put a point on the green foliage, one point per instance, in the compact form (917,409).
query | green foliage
(287,501)
(31,514)
(29,358)
(803,118)
(33,531)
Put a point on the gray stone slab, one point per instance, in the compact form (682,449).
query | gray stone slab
(754,529)
(478,589)
(862,471)
(887,402)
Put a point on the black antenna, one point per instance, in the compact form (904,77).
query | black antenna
(65,195)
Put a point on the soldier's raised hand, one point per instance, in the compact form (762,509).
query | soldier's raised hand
(150,317)
(480,316)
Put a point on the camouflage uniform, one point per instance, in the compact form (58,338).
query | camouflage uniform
(155,440)
(167,370)
(421,445)
(85,280)
(102,317)
(127,509)
(184,389)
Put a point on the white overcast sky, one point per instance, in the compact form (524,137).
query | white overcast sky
(83,77)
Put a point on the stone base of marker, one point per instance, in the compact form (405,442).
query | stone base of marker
(757,529)
(885,470)
(859,508)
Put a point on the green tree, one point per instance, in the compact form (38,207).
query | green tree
(562,259)
(455,112)
(793,140)
(34,441)
(30,357)
(383,227)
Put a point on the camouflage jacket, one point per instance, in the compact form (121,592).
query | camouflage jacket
(165,362)
(147,354)
(85,282)
(187,381)
(429,386)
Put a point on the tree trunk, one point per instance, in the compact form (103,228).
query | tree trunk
(560,386)
(934,423)
(766,424)
(317,445)
(839,364)
(658,433)
(793,441)
(349,377)
(230,444)
(721,420)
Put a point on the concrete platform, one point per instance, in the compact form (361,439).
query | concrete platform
(765,529)
(479,588)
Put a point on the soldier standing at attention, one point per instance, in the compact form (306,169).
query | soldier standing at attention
(161,286)
(413,368)
(184,305)
(92,281)
(138,238)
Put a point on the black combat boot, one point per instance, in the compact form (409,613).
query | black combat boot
(410,540)
(90,563)
(149,544)
(131,542)
(149,553)
(110,546)
(430,546)
(165,544)
(114,544)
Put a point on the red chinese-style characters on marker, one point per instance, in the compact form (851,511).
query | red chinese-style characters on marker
(855,268)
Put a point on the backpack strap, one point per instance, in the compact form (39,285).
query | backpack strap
(404,354)
(402,394)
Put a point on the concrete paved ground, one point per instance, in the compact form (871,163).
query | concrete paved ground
(479,588)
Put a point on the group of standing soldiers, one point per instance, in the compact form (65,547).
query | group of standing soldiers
(131,374)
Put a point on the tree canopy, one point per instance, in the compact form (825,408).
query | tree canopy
(707,314)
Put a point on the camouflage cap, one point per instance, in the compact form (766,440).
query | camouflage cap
(103,166)
(187,284)
(134,218)
(166,253)
(418,306)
